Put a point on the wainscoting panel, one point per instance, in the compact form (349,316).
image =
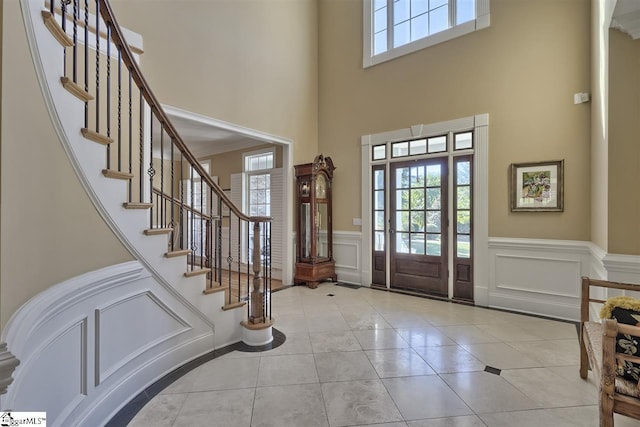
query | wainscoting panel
(346,251)
(538,276)
(114,349)
(68,379)
(543,276)
(89,345)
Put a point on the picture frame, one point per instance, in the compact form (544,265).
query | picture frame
(537,186)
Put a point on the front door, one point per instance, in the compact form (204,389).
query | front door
(418,226)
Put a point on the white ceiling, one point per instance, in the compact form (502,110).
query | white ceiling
(204,136)
(626,17)
(206,139)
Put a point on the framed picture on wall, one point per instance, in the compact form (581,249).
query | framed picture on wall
(537,187)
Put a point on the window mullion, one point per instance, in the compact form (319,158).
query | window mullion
(390,25)
(453,4)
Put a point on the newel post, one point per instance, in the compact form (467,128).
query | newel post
(258,328)
(257,293)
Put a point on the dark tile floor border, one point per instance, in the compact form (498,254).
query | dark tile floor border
(128,411)
(492,370)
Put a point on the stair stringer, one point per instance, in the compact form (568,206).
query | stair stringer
(88,159)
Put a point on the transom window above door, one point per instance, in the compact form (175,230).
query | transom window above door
(394,28)
(422,146)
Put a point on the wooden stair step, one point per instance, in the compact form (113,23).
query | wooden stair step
(174,254)
(137,205)
(76,90)
(96,137)
(157,231)
(228,307)
(56,30)
(197,272)
(214,290)
(109,173)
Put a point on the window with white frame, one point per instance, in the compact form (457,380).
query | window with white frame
(257,167)
(394,28)
(196,197)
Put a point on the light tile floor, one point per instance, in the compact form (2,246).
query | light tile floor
(365,357)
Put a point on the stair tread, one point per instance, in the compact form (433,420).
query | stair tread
(155,231)
(75,89)
(214,289)
(197,272)
(110,173)
(181,252)
(56,30)
(228,307)
(137,205)
(96,137)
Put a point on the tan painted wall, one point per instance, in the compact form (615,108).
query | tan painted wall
(249,62)
(45,215)
(624,150)
(522,70)
(225,164)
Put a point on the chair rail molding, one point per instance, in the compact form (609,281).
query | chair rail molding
(622,268)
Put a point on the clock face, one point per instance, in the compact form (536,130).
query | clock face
(321,187)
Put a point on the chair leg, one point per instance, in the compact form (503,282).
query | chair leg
(606,409)
(584,358)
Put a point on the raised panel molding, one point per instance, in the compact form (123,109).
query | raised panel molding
(540,275)
(82,355)
(115,349)
(555,293)
(346,252)
(68,374)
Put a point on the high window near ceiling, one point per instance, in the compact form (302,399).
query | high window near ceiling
(394,28)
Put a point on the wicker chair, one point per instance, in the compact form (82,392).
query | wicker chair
(598,350)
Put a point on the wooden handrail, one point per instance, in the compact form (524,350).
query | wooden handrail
(157,110)
(186,207)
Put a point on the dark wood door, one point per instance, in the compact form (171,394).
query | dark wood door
(418,233)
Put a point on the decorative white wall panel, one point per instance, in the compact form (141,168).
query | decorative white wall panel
(146,319)
(538,276)
(346,252)
(88,345)
(66,382)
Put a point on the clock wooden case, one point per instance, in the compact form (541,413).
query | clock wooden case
(314,253)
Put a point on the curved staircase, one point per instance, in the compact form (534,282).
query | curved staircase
(145,183)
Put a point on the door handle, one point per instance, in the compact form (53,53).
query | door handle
(391,230)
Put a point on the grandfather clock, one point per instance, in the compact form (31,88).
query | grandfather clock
(314,254)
